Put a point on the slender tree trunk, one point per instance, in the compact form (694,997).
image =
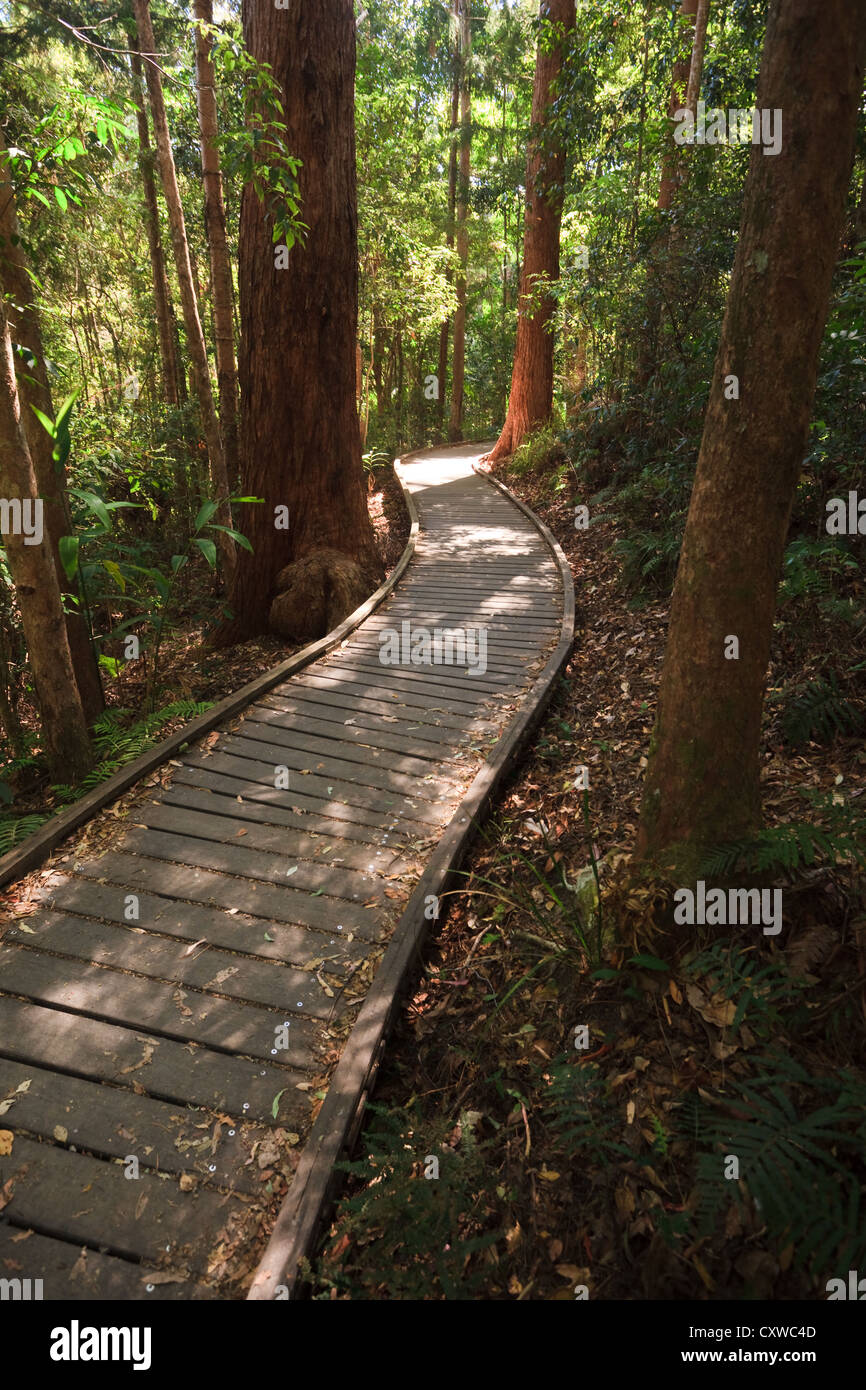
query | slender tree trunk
(672,159)
(192,322)
(64,730)
(673,166)
(34,390)
(699,44)
(215,223)
(445,328)
(531,399)
(161,297)
(300,441)
(458,350)
(702,782)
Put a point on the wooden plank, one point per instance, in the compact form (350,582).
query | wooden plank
(502,639)
(415,693)
(428,783)
(137,1002)
(433,725)
(74,1273)
(327,849)
(332,883)
(349,751)
(386,805)
(496,683)
(264,902)
(490,682)
(187,922)
(182,1074)
(403,702)
(267,982)
(369,734)
(258,803)
(347,820)
(74,1197)
(111,1122)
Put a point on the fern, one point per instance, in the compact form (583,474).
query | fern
(757,990)
(14,829)
(801,1163)
(794,845)
(585,1113)
(414,1235)
(818,711)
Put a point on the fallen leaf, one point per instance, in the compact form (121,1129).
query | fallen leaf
(61,1134)
(6,1139)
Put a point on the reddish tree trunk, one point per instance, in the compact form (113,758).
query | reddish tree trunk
(34,390)
(702,782)
(300,442)
(37,590)
(531,399)
(215,223)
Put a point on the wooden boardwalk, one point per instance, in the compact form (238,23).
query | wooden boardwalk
(170,1014)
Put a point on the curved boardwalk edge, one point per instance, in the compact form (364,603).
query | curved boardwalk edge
(339,1119)
(36,847)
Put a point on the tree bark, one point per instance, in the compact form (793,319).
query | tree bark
(445,327)
(192,322)
(299,435)
(215,224)
(34,390)
(702,782)
(458,347)
(531,399)
(64,731)
(673,166)
(159,276)
(699,44)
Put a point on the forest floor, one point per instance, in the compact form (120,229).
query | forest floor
(600,1166)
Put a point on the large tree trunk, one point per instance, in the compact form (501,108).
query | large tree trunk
(161,296)
(300,442)
(64,730)
(34,390)
(531,399)
(458,350)
(702,780)
(215,223)
(192,322)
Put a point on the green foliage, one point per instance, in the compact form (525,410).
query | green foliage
(116,745)
(799,1137)
(762,993)
(817,709)
(14,829)
(414,1236)
(256,153)
(794,845)
(116,742)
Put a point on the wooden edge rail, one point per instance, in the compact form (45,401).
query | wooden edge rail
(36,847)
(338,1122)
